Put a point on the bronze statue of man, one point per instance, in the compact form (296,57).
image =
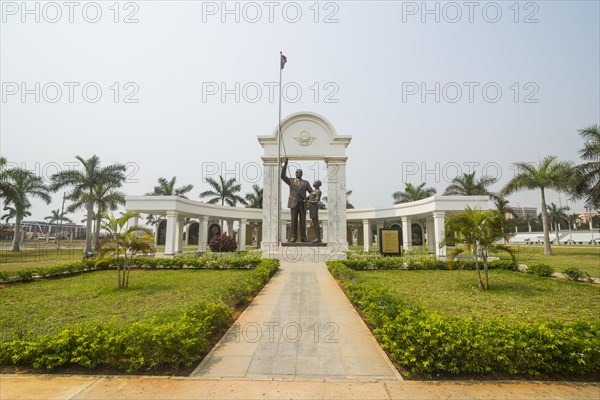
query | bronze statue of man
(296,202)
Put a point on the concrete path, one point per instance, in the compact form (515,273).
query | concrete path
(301,326)
(47,387)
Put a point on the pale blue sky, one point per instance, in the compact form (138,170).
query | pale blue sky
(367,57)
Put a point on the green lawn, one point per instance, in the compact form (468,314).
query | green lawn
(512,295)
(586,258)
(39,254)
(47,306)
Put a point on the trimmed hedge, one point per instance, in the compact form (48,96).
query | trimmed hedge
(141,345)
(540,269)
(206,261)
(426,342)
(377,262)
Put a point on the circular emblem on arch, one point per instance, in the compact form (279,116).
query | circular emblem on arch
(305,138)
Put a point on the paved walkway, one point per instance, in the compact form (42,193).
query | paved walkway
(88,387)
(301,326)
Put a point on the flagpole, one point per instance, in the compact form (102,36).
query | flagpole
(279,157)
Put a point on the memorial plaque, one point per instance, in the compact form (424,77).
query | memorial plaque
(389,243)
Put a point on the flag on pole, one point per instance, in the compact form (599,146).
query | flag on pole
(283,61)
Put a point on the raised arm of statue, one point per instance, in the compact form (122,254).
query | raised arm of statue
(283,175)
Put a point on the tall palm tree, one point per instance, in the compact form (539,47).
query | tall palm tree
(223,192)
(548,174)
(25,185)
(107,198)
(586,178)
(323,202)
(556,215)
(7,188)
(84,187)
(413,193)
(255,198)
(468,185)
(55,217)
(167,188)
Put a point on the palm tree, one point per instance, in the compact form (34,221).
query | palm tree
(255,198)
(125,243)
(56,216)
(413,193)
(480,231)
(586,178)
(323,202)
(548,174)
(167,188)
(7,189)
(106,198)
(467,185)
(25,185)
(85,187)
(556,215)
(224,192)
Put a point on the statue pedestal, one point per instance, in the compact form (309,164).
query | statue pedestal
(304,253)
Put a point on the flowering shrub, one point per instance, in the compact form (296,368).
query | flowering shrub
(222,244)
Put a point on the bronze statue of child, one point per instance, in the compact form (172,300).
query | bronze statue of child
(313,207)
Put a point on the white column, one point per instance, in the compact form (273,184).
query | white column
(134,221)
(367,235)
(440,232)
(179,232)
(230,227)
(324,232)
(407,233)
(380,225)
(203,234)
(336,202)
(430,235)
(171,238)
(271,174)
(242,234)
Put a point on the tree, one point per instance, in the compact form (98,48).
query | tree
(323,202)
(479,231)
(548,174)
(167,188)
(58,217)
(106,198)
(124,242)
(504,209)
(223,192)
(254,199)
(85,187)
(25,184)
(585,180)
(413,193)
(468,185)
(556,215)
(7,188)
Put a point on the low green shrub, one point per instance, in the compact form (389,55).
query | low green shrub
(540,269)
(575,274)
(426,342)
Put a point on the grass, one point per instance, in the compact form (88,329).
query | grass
(513,296)
(586,258)
(47,306)
(39,255)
